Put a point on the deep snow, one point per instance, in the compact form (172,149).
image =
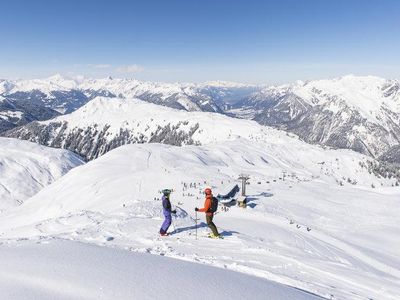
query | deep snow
(60,269)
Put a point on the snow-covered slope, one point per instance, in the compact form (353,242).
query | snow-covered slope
(144,165)
(66,270)
(25,168)
(356,112)
(113,201)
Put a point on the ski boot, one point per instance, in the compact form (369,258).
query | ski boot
(213,236)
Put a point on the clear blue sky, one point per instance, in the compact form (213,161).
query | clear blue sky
(169,40)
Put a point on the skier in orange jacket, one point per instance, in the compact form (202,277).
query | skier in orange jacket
(209,214)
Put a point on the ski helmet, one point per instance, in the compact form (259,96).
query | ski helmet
(207,191)
(166,192)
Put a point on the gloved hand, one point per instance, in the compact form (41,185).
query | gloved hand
(173,211)
(196,209)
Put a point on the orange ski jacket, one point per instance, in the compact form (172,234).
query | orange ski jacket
(207,205)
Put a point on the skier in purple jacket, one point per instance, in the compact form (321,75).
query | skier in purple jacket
(166,203)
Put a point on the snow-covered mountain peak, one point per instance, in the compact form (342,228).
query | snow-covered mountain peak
(46,86)
(5,86)
(56,78)
(356,112)
(364,94)
(114,111)
(360,93)
(146,119)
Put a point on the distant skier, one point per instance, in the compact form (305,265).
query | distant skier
(166,203)
(210,207)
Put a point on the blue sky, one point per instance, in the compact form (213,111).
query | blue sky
(246,41)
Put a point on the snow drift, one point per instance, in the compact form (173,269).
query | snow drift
(70,270)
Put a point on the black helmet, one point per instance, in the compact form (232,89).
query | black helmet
(166,192)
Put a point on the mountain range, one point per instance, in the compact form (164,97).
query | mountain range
(361,113)
(358,113)
(66,94)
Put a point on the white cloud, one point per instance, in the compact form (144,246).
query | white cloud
(99,66)
(129,69)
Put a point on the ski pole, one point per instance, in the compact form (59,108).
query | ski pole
(196,225)
(173,225)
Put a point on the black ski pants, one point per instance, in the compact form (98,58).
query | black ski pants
(210,223)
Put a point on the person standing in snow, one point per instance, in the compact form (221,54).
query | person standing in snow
(207,209)
(166,203)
